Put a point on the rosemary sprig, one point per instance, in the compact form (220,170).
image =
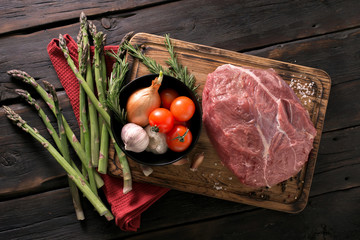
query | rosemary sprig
(117,80)
(177,70)
(150,63)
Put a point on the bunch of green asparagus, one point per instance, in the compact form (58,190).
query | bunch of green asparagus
(95,133)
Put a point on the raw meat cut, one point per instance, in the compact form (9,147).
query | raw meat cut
(256,123)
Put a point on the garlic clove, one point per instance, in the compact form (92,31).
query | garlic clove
(147,170)
(197,161)
(181,161)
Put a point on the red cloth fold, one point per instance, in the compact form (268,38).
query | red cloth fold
(126,208)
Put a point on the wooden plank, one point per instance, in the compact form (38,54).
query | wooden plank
(344,105)
(328,216)
(19,217)
(21,15)
(186,215)
(213,179)
(214,29)
(25,166)
(347,175)
(32,217)
(336,53)
(339,148)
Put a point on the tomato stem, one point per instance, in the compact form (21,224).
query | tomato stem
(155,128)
(181,138)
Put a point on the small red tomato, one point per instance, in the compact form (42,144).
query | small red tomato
(182,108)
(161,119)
(179,138)
(167,96)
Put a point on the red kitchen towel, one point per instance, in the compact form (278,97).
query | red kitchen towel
(126,208)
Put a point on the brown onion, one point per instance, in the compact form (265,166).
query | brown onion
(143,101)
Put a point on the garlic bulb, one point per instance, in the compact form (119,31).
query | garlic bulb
(157,143)
(134,137)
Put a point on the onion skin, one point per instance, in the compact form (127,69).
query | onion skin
(142,102)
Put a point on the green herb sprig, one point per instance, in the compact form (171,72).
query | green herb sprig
(175,68)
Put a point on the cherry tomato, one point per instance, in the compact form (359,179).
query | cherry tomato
(179,138)
(167,96)
(182,108)
(161,119)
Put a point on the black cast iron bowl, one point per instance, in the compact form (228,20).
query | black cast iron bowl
(195,123)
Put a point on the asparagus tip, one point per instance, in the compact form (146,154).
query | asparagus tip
(22,92)
(79,38)
(7,109)
(49,87)
(82,16)
(92,28)
(62,41)
(18,73)
(13,116)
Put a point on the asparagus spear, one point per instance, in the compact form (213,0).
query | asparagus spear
(104,145)
(65,152)
(82,96)
(84,61)
(26,95)
(103,64)
(94,121)
(75,176)
(99,80)
(84,140)
(69,133)
(82,81)
(102,112)
(64,145)
(82,100)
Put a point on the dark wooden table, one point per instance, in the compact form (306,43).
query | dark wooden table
(34,197)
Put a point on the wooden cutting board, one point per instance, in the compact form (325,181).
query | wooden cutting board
(312,86)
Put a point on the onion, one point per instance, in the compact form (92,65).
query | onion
(142,102)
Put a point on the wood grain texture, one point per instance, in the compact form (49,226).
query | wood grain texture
(20,15)
(25,166)
(315,222)
(212,178)
(320,34)
(233,26)
(210,219)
